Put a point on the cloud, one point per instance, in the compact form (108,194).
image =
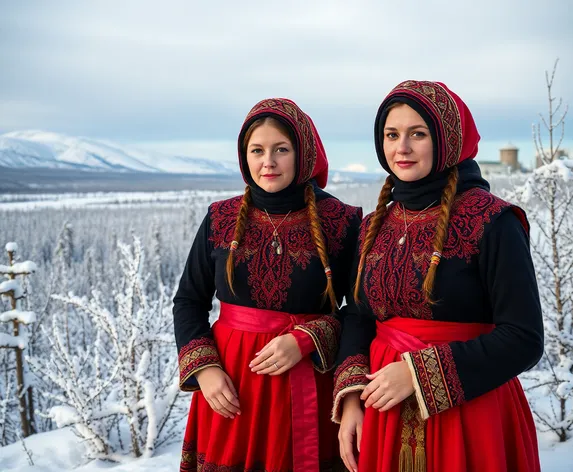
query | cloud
(135,70)
(356,167)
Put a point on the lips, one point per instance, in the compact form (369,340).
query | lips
(271,176)
(405,164)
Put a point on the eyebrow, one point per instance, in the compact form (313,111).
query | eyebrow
(282,143)
(391,128)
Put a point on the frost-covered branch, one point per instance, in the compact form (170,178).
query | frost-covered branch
(547,196)
(112,392)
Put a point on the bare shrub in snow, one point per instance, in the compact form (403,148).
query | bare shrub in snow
(547,195)
(119,388)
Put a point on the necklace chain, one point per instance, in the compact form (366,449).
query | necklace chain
(402,240)
(276,244)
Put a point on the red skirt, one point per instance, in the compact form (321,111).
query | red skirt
(494,432)
(261,438)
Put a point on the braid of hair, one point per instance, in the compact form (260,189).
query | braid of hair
(373,228)
(319,241)
(240,226)
(441,233)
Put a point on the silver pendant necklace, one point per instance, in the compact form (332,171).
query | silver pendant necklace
(276,242)
(402,240)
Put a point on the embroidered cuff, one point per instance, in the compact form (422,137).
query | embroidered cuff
(325,332)
(436,379)
(304,341)
(349,377)
(195,356)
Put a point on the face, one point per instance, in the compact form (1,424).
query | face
(271,158)
(407,144)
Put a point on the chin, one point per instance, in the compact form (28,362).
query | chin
(273,187)
(410,175)
(409,178)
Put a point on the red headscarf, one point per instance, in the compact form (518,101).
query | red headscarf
(311,156)
(456,132)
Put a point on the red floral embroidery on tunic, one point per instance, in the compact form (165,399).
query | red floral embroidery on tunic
(394,274)
(269,273)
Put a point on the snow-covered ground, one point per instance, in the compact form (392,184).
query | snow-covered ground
(27,202)
(24,202)
(60,450)
(555,457)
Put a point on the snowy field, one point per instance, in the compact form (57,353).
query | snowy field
(26,202)
(73,239)
(60,450)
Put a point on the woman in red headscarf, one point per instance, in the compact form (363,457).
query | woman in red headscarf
(278,259)
(445,312)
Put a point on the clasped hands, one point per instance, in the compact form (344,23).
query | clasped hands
(276,358)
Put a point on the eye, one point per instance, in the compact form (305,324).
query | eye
(256,151)
(282,149)
(419,134)
(391,135)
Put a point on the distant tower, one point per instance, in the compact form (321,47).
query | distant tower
(508,157)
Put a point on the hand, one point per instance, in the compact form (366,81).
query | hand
(350,426)
(278,356)
(219,391)
(388,387)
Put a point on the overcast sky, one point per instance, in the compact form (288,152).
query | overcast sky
(173,71)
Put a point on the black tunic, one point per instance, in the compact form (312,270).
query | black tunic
(292,282)
(486,275)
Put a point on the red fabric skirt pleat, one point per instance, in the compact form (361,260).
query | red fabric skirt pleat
(260,439)
(494,432)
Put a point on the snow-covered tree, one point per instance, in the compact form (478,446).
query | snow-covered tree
(547,195)
(18,340)
(156,250)
(119,390)
(94,267)
(65,246)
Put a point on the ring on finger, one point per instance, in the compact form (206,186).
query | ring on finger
(276,365)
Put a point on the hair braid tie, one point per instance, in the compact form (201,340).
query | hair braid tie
(436,256)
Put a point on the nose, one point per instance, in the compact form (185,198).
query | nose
(268,161)
(403,145)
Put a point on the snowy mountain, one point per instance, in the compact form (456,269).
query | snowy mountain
(33,149)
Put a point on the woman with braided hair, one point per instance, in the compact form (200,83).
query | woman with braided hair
(278,259)
(445,312)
